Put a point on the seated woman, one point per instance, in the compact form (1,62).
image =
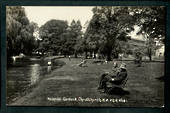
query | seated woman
(117,79)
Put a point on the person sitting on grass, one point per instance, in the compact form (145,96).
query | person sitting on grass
(82,64)
(121,75)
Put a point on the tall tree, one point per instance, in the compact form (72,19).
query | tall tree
(19,31)
(77,34)
(107,26)
(72,38)
(51,34)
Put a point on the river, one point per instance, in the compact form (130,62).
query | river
(24,75)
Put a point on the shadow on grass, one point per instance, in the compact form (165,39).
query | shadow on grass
(161,78)
(117,91)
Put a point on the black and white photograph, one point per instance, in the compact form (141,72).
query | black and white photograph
(85,56)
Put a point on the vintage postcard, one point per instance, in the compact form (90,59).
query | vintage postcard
(85,56)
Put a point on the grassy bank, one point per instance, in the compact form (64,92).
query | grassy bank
(61,86)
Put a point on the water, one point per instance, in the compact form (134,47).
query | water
(24,75)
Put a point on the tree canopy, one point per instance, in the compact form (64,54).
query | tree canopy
(107,27)
(152,25)
(51,34)
(19,31)
(106,33)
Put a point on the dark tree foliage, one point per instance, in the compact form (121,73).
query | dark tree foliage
(52,36)
(106,34)
(19,32)
(152,25)
(107,27)
(76,36)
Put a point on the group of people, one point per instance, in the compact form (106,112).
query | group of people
(117,76)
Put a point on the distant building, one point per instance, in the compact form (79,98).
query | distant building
(160,51)
(138,41)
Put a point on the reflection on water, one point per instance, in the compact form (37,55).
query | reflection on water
(23,76)
(49,69)
(34,73)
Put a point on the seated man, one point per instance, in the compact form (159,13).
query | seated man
(117,79)
(108,75)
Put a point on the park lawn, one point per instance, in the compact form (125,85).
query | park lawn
(72,81)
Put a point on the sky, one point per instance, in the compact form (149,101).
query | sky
(42,14)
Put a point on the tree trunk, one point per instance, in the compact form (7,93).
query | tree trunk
(86,54)
(65,55)
(94,55)
(150,54)
(109,56)
(91,54)
(116,55)
(75,54)
(150,57)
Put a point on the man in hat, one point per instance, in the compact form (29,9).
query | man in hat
(107,76)
(121,75)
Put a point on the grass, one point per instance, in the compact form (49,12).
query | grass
(72,81)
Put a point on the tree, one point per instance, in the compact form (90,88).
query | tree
(152,25)
(85,45)
(29,40)
(51,34)
(19,31)
(77,36)
(71,39)
(107,26)
(67,43)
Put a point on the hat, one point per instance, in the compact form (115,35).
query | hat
(123,66)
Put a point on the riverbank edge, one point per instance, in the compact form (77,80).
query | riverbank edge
(54,59)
